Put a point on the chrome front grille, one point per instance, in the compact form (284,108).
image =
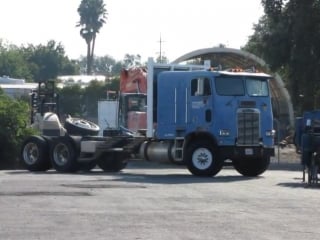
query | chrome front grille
(248,127)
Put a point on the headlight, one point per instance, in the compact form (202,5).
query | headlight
(270,133)
(224,132)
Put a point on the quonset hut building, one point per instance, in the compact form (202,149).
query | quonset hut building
(226,58)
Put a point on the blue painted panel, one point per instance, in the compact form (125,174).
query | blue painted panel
(178,111)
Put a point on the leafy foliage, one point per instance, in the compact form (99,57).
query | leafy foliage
(70,100)
(13,128)
(13,62)
(50,61)
(93,15)
(83,102)
(162,59)
(35,63)
(288,37)
(132,60)
(103,65)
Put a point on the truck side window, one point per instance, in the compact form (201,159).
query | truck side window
(200,87)
(194,85)
(206,87)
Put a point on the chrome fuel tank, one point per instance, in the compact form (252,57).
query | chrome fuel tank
(156,151)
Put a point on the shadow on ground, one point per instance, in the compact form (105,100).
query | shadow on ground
(299,184)
(285,166)
(151,178)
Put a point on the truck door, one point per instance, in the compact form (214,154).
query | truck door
(200,103)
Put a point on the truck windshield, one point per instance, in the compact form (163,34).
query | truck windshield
(257,87)
(229,86)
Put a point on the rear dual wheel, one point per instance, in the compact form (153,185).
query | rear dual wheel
(113,161)
(35,154)
(64,155)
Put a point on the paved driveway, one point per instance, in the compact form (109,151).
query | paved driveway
(152,201)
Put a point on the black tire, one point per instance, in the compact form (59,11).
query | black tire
(113,161)
(81,127)
(34,154)
(251,167)
(63,155)
(202,159)
(86,166)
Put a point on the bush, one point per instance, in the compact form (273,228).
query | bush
(14,119)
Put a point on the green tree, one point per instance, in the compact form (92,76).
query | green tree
(288,37)
(35,63)
(104,65)
(83,102)
(49,61)
(93,15)
(94,92)
(14,118)
(113,84)
(13,62)
(132,60)
(162,59)
(70,100)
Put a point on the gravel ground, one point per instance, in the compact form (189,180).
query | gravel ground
(158,201)
(286,155)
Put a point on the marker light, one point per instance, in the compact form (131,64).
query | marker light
(224,132)
(270,133)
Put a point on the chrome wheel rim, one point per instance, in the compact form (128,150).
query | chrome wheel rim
(202,158)
(82,124)
(31,153)
(61,154)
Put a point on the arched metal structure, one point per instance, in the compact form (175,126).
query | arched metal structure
(225,58)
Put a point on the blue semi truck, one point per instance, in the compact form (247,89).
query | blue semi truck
(203,118)
(196,117)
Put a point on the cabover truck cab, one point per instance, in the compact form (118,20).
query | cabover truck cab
(203,118)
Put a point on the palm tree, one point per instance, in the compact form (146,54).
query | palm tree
(93,15)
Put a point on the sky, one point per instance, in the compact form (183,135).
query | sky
(133,27)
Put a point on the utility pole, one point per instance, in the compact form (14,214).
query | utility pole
(160,53)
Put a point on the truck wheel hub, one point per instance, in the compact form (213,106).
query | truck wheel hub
(31,153)
(202,158)
(61,155)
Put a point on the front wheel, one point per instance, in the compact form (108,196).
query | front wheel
(202,159)
(251,167)
(113,161)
